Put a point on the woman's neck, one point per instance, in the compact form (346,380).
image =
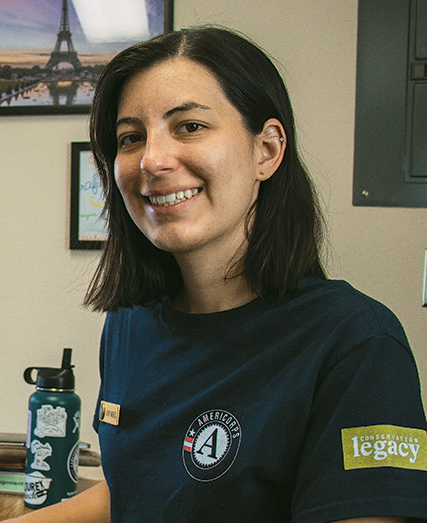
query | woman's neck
(229,296)
(207,288)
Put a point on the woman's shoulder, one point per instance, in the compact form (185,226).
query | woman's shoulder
(336,303)
(341,297)
(132,315)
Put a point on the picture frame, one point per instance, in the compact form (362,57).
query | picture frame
(51,71)
(87,223)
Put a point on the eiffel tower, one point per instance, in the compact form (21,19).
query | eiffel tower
(70,56)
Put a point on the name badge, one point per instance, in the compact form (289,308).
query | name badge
(109,413)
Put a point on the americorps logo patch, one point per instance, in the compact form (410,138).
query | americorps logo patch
(211,444)
(384,446)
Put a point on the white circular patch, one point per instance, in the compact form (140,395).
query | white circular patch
(211,445)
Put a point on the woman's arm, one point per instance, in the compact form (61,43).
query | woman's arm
(91,506)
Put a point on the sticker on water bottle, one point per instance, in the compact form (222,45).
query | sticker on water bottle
(73,462)
(41,452)
(76,419)
(36,488)
(51,422)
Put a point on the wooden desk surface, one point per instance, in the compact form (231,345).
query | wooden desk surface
(12,505)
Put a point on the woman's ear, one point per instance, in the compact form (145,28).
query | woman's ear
(271,145)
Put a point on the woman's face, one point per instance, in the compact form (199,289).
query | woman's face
(186,166)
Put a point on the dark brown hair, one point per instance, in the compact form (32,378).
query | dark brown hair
(287,228)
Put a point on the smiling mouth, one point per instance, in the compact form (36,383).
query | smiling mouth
(173,198)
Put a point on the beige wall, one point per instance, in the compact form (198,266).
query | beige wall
(42,282)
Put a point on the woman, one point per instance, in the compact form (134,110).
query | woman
(238,383)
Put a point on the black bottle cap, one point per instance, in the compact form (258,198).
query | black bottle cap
(52,378)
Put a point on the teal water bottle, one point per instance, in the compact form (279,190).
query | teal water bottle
(53,434)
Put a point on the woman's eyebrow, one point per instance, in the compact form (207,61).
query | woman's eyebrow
(128,119)
(185,107)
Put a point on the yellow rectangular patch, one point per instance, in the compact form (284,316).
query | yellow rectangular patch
(109,413)
(384,446)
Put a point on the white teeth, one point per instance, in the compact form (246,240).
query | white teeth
(173,198)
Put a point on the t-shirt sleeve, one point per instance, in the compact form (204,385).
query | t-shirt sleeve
(365,452)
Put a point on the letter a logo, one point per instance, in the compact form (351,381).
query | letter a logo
(211,445)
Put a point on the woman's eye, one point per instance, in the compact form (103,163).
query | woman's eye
(130,139)
(190,127)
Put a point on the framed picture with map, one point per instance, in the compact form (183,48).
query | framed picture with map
(87,222)
(53,51)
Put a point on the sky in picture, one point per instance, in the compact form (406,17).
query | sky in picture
(28,30)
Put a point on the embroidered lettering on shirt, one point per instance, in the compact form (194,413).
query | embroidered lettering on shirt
(109,413)
(384,446)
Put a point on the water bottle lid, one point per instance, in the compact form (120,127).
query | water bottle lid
(52,378)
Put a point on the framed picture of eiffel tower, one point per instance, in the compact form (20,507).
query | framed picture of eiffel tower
(52,52)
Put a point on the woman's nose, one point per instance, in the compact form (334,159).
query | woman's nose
(158,155)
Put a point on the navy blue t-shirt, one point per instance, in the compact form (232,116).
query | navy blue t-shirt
(305,410)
